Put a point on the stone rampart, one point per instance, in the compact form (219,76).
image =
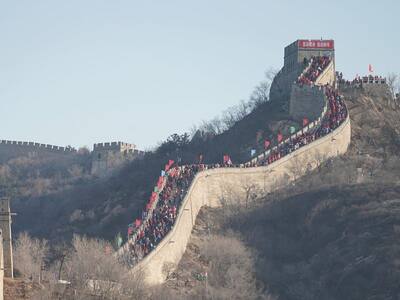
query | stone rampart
(116,146)
(307,101)
(35,146)
(213,187)
(13,149)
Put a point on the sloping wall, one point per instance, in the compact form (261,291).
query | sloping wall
(307,101)
(211,186)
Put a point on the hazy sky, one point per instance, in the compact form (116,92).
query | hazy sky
(79,72)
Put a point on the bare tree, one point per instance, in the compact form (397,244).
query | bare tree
(29,256)
(393,82)
(261,92)
(231,269)
(251,190)
(92,269)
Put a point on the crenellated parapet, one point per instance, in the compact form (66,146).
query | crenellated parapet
(35,146)
(109,156)
(116,146)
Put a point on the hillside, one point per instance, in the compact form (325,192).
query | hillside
(333,235)
(104,207)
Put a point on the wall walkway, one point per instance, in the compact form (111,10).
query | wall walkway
(215,186)
(210,186)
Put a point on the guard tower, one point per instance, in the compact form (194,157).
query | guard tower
(110,156)
(5,227)
(296,57)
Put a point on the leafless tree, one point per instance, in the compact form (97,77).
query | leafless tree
(29,256)
(92,269)
(393,82)
(251,190)
(261,92)
(231,269)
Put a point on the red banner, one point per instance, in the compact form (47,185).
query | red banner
(320,44)
(305,122)
(266,144)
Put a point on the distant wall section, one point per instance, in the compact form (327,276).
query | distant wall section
(12,149)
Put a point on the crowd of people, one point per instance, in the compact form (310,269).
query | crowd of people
(332,119)
(358,81)
(160,214)
(317,65)
(157,221)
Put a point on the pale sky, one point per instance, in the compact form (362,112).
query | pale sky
(80,72)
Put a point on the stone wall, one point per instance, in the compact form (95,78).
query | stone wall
(12,149)
(306,101)
(209,187)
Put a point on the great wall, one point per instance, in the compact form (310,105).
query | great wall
(11,149)
(105,157)
(213,187)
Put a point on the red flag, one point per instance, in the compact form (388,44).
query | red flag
(166,167)
(305,122)
(130,230)
(280,137)
(153,196)
(266,144)
(226,158)
(148,206)
(370,69)
(138,222)
(170,162)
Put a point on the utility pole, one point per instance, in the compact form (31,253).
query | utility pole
(5,226)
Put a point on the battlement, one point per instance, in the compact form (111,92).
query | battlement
(37,146)
(115,146)
(109,156)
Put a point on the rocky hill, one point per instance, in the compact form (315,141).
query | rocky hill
(332,235)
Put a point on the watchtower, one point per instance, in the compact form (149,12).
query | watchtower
(109,156)
(296,57)
(5,227)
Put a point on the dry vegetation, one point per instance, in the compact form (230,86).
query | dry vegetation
(87,269)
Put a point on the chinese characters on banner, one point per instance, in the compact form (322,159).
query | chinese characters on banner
(322,44)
